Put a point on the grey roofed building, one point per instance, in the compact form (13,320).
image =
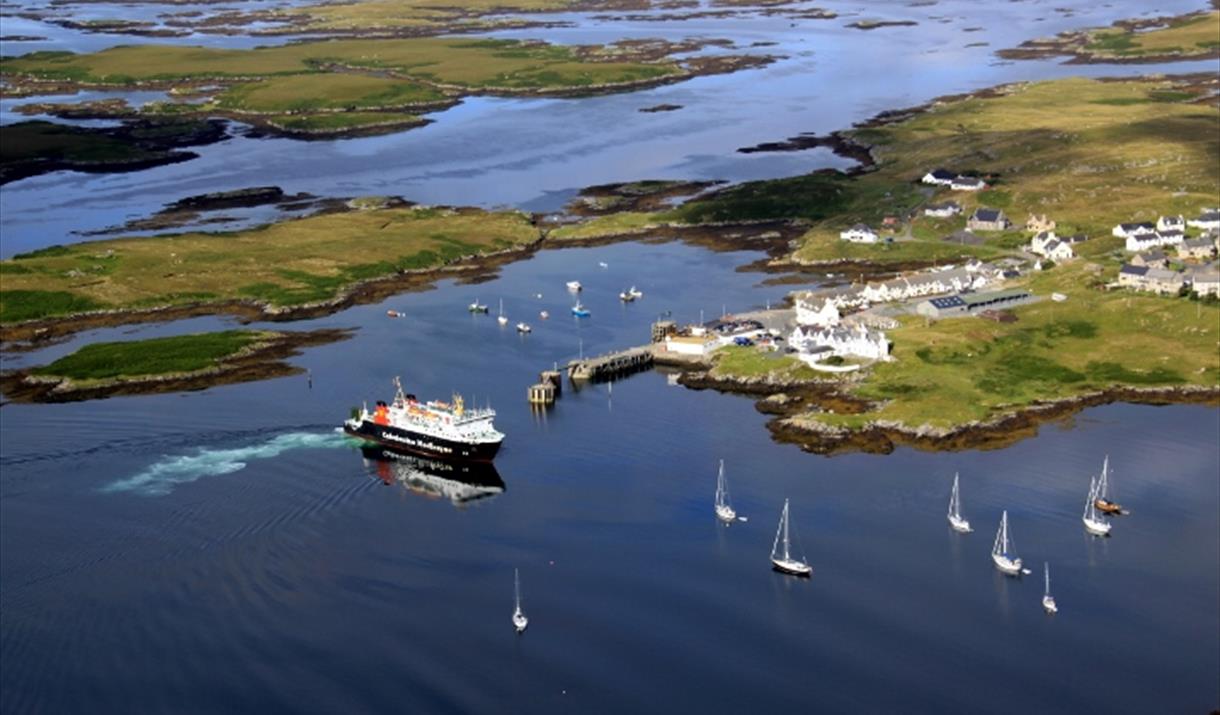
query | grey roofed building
(1150,258)
(1130,270)
(963,303)
(985,219)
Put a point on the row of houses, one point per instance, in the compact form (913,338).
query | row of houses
(1204,279)
(953,180)
(823,307)
(1167,231)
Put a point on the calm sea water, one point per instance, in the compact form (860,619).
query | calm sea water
(226,550)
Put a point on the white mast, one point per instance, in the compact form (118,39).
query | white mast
(1046,565)
(782,531)
(955,507)
(1103,486)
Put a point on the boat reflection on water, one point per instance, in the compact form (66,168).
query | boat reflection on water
(460,483)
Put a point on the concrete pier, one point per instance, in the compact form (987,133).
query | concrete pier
(606,366)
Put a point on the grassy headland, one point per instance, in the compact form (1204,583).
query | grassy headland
(275,268)
(1194,36)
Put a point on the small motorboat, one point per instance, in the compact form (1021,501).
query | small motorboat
(635,292)
(394,314)
(477,307)
(580,311)
(544,315)
(574,286)
(524,328)
(603,264)
(626,297)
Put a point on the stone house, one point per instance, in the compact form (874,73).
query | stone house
(1038,224)
(984,219)
(1198,248)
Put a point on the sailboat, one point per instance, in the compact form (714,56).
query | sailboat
(580,311)
(1048,601)
(724,510)
(1000,552)
(524,328)
(1093,523)
(1102,500)
(476,307)
(626,296)
(502,319)
(781,553)
(519,619)
(955,510)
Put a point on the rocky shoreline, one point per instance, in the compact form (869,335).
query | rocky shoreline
(786,400)
(263,360)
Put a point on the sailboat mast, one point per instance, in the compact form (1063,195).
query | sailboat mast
(786,551)
(1047,568)
(517,588)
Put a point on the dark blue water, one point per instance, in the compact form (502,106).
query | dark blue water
(225,550)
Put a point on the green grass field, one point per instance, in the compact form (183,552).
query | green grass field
(156,356)
(285,264)
(1196,34)
(958,370)
(463,63)
(311,92)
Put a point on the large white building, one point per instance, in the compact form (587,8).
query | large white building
(1048,245)
(811,310)
(814,344)
(859,234)
(921,284)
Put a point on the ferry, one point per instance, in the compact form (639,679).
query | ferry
(441,430)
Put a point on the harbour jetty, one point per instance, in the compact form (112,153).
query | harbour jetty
(604,367)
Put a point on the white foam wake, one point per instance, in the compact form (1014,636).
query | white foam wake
(161,477)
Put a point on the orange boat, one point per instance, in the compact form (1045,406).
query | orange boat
(1109,507)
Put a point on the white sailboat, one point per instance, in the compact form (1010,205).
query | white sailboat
(724,510)
(519,619)
(955,510)
(1093,522)
(1048,601)
(1001,552)
(781,550)
(524,328)
(502,319)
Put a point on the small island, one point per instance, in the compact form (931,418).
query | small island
(173,364)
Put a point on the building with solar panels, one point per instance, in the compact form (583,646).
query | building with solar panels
(972,303)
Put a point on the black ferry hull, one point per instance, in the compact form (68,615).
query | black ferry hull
(407,442)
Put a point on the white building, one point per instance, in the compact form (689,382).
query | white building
(939,177)
(1126,230)
(859,234)
(1046,244)
(691,344)
(948,209)
(967,183)
(810,312)
(1208,220)
(1170,223)
(1144,241)
(859,341)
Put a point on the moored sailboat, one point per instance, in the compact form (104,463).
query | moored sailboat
(724,510)
(1093,522)
(1001,551)
(1048,601)
(519,620)
(955,510)
(1102,499)
(476,307)
(502,319)
(781,551)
